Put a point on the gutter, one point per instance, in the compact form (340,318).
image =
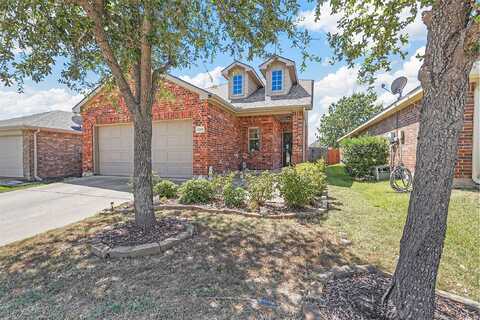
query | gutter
(23,127)
(35,156)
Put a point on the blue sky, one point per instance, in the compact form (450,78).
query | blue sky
(331,82)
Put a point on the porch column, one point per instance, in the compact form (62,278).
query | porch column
(298,135)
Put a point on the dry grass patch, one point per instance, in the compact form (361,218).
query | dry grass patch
(223,272)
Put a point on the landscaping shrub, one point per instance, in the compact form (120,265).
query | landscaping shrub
(361,154)
(297,185)
(315,172)
(260,188)
(196,191)
(165,188)
(234,197)
(218,183)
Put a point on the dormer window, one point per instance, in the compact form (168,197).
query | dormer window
(277,80)
(237,85)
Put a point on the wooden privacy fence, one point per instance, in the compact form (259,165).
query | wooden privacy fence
(333,156)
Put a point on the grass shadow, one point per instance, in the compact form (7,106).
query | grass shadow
(337,176)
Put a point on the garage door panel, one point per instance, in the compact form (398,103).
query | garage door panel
(11,156)
(172,146)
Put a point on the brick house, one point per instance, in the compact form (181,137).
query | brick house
(40,146)
(250,121)
(402,119)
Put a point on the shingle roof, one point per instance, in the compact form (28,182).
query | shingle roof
(300,94)
(57,119)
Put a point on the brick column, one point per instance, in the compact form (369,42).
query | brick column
(297,137)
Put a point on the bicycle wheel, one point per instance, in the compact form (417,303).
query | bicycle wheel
(401,179)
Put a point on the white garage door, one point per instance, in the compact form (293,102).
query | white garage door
(11,156)
(171,149)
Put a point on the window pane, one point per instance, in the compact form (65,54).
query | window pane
(237,84)
(254,145)
(277,80)
(253,133)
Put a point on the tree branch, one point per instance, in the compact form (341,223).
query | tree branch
(95,12)
(146,61)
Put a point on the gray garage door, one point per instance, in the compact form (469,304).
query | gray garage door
(171,149)
(11,156)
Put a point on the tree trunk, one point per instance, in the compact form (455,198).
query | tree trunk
(444,77)
(142,170)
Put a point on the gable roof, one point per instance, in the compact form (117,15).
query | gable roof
(290,64)
(247,68)
(414,95)
(55,120)
(300,95)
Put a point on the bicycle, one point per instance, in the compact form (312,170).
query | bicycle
(400,176)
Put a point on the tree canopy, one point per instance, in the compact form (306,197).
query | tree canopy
(345,115)
(35,34)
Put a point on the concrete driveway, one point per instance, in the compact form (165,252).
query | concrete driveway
(25,213)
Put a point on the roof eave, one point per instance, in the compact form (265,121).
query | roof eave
(24,127)
(412,96)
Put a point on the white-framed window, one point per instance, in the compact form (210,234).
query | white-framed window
(253,139)
(277,79)
(237,86)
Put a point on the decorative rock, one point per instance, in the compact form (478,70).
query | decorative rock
(100,250)
(345,242)
(104,251)
(310,312)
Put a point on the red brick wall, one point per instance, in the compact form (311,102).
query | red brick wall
(298,135)
(215,147)
(463,168)
(59,154)
(270,154)
(408,122)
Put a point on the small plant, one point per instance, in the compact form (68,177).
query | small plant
(363,153)
(260,188)
(315,172)
(234,197)
(196,191)
(297,186)
(165,188)
(219,182)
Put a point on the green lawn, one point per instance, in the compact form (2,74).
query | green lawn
(373,215)
(18,187)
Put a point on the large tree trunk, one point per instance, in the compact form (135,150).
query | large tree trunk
(142,170)
(444,77)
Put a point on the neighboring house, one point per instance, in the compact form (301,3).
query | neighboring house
(402,119)
(247,122)
(40,146)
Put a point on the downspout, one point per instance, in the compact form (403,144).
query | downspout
(305,118)
(35,157)
(476,134)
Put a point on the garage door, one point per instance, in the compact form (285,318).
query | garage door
(11,156)
(171,149)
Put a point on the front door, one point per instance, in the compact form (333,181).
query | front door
(287,149)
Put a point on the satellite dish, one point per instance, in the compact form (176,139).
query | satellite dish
(398,85)
(77,119)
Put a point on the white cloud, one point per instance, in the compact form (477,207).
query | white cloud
(205,79)
(343,82)
(14,104)
(328,22)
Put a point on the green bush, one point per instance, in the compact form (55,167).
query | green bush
(218,183)
(234,197)
(260,188)
(361,154)
(297,185)
(315,172)
(165,188)
(196,191)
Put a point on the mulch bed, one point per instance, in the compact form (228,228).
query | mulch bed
(129,234)
(359,297)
